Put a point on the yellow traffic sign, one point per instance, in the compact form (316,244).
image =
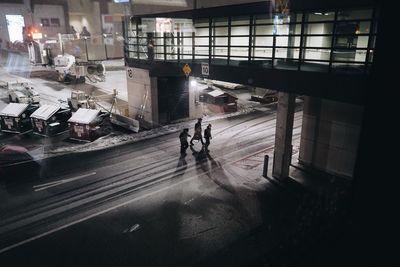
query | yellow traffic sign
(187,70)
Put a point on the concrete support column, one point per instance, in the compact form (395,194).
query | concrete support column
(283,135)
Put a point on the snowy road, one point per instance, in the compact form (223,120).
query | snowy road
(198,203)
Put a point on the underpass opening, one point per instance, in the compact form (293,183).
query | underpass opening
(173,99)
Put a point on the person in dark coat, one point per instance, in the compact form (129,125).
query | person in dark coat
(150,49)
(183,138)
(85,32)
(197,133)
(207,137)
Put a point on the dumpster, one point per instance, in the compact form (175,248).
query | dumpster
(15,117)
(50,120)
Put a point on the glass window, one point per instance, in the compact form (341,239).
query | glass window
(295,29)
(317,54)
(240,30)
(294,41)
(281,29)
(201,56)
(347,27)
(220,51)
(282,41)
(287,53)
(320,16)
(349,55)
(202,32)
(220,21)
(264,29)
(186,34)
(201,41)
(317,41)
(318,28)
(263,52)
(362,42)
(220,40)
(201,23)
(186,49)
(263,19)
(221,31)
(187,56)
(242,20)
(240,51)
(240,41)
(355,14)
(172,57)
(186,41)
(363,27)
(201,51)
(264,41)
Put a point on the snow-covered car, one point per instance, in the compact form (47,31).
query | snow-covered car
(22,93)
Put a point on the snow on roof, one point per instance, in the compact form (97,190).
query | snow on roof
(45,112)
(84,116)
(216,93)
(14,109)
(202,87)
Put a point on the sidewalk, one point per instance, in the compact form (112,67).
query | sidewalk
(319,211)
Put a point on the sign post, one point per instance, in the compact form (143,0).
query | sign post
(205,69)
(129,73)
(187,70)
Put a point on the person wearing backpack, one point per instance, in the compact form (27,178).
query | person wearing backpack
(197,133)
(183,136)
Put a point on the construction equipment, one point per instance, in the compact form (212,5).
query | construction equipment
(80,99)
(69,70)
(21,92)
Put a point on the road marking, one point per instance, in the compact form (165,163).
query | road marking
(110,208)
(63,181)
(92,215)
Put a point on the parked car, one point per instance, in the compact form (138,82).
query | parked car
(22,93)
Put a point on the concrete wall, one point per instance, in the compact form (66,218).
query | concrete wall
(49,12)
(330,135)
(142,96)
(85,13)
(195,107)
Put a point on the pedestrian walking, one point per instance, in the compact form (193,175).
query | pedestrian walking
(197,132)
(183,138)
(207,137)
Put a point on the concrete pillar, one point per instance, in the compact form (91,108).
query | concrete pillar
(283,135)
(330,135)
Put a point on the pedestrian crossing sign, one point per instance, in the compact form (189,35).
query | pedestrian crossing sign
(187,70)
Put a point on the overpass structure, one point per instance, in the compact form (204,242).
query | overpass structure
(323,50)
